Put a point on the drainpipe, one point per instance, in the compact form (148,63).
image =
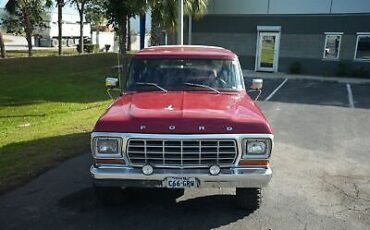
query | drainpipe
(180,22)
(331,6)
(190,29)
(142,31)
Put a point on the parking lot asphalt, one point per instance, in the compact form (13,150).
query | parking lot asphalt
(321,176)
(316,92)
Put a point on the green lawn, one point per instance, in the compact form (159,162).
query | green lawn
(48,106)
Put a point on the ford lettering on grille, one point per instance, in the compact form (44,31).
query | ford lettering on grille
(181,153)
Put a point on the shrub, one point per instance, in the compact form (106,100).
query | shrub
(107,47)
(295,68)
(360,72)
(89,48)
(343,69)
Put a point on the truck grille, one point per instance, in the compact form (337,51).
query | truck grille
(181,153)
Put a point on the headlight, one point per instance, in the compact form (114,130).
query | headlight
(256,148)
(107,147)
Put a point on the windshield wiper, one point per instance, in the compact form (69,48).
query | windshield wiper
(202,86)
(152,84)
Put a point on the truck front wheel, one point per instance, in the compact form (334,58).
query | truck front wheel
(70,42)
(249,198)
(54,42)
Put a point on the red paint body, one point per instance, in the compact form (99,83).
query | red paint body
(189,111)
(186,52)
(154,112)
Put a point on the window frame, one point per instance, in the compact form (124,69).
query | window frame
(359,34)
(327,34)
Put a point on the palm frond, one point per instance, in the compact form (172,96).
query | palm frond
(195,8)
(164,12)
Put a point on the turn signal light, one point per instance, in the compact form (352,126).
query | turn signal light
(254,162)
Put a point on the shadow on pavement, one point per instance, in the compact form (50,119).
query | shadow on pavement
(22,161)
(154,209)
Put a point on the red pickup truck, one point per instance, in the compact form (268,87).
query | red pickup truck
(183,120)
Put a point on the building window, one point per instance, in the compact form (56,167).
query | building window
(332,46)
(363,47)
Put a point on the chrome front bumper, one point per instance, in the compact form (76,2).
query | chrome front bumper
(133,177)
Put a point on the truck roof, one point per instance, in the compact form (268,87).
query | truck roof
(185,51)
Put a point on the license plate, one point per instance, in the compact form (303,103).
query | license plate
(182,182)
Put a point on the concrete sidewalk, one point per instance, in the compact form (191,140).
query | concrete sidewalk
(254,74)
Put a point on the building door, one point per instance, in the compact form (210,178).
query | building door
(267,51)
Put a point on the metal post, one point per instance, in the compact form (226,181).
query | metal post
(190,29)
(180,22)
(165,37)
(142,31)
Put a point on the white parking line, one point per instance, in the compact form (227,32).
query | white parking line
(273,92)
(350,96)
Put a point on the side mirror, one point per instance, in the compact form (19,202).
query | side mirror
(111,82)
(257,84)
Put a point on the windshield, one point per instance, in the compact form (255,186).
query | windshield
(184,74)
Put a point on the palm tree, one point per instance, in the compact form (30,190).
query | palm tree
(117,13)
(164,15)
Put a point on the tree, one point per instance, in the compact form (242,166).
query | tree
(2,46)
(80,5)
(128,33)
(95,14)
(60,5)
(164,15)
(25,16)
(117,13)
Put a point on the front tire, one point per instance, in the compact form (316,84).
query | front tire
(54,42)
(249,198)
(70,42)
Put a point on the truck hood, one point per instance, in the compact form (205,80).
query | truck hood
(183,112)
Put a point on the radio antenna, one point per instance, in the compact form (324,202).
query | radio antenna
(119,69)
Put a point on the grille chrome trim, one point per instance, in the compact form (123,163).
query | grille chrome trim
(126,136)
(180,153)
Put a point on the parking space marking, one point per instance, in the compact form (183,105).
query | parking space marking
(350,96)
(277,88)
